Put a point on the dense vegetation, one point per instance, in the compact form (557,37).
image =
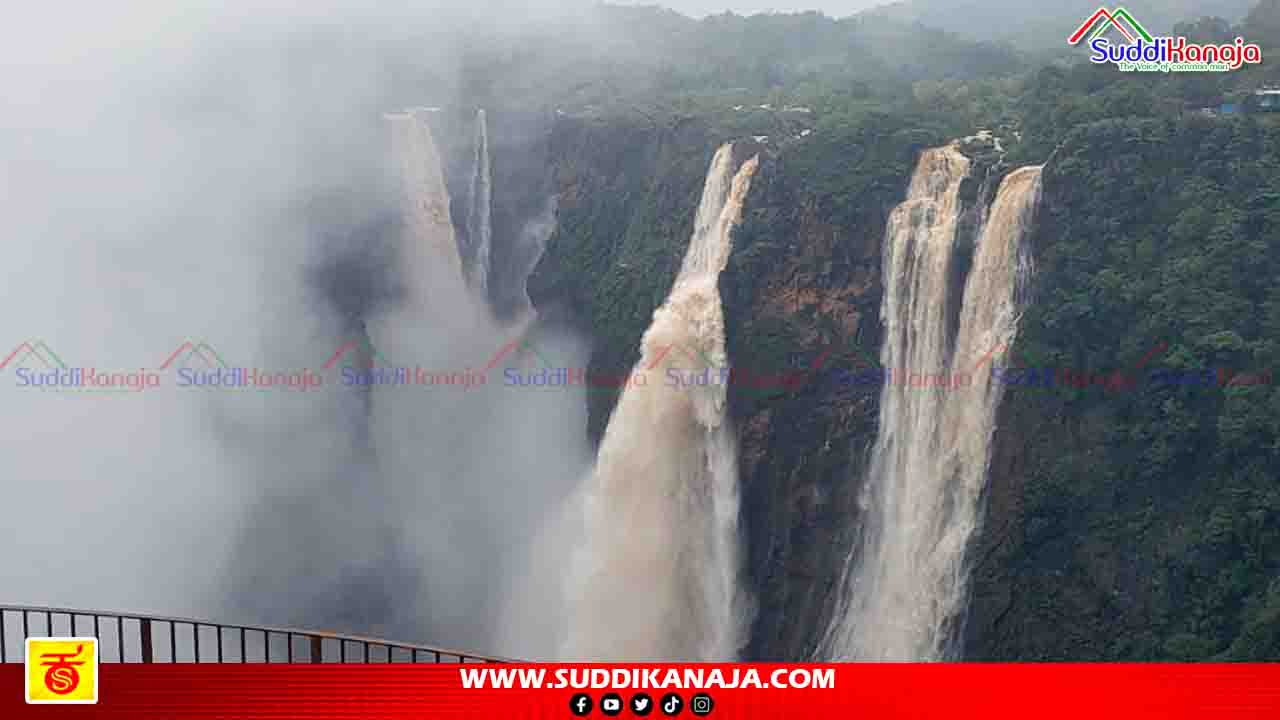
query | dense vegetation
(1139,523)
(657,63)
(1046,25)
(1144,519)
(1150,513)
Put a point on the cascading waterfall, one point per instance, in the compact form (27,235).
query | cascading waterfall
(527,252)
(424,199)
(480,217)
(657,576)
(906,583)
(465,508)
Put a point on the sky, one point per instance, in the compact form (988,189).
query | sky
(698,8)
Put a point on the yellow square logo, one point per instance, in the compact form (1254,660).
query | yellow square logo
(62,670)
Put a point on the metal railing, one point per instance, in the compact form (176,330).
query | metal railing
(137,638)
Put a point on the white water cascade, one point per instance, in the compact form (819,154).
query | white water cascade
(471,465)
(424,199)
(480,217)
(906,579)
(656,577)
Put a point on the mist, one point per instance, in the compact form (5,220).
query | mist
(701,8)
(221,177)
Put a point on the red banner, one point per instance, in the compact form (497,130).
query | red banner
(874,692)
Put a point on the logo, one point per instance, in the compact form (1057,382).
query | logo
(33,350)
(611,704)
(701,704)
(197,365)
(36,365)
(641,704)
(580,705)
(672,704)
(1142,52)
(186,355)
(357,354)
(62,670)
(362,366)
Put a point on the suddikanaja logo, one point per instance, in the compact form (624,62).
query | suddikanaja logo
(195,364)
(674,365)
(1137,50)
(36,366)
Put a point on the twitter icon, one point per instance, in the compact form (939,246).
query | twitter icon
(641,704)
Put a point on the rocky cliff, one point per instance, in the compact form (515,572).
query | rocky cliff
(1134,513)
(802,294)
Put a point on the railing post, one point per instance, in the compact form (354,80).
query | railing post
(146,640)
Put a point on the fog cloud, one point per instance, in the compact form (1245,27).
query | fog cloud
(208,174)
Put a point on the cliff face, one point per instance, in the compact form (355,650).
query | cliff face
(802,296)
(1132,516)
(626,193)
(521,189)
(802,292)
(1135,515)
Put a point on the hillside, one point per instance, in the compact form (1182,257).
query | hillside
(1155,229)
(1047,26)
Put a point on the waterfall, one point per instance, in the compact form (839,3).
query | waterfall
(470,466)
(480,217)
(905,587)
(527,252)
(657,575)
(432,247)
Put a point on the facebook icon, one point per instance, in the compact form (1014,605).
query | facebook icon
(580,705)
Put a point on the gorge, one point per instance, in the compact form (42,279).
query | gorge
(872,223)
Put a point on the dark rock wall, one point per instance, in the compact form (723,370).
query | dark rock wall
(802,297)
(627,190)
(1132,517)
(802,294)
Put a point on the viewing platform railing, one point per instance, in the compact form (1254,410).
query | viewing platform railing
(138,638)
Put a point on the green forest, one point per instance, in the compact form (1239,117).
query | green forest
(1142,525)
